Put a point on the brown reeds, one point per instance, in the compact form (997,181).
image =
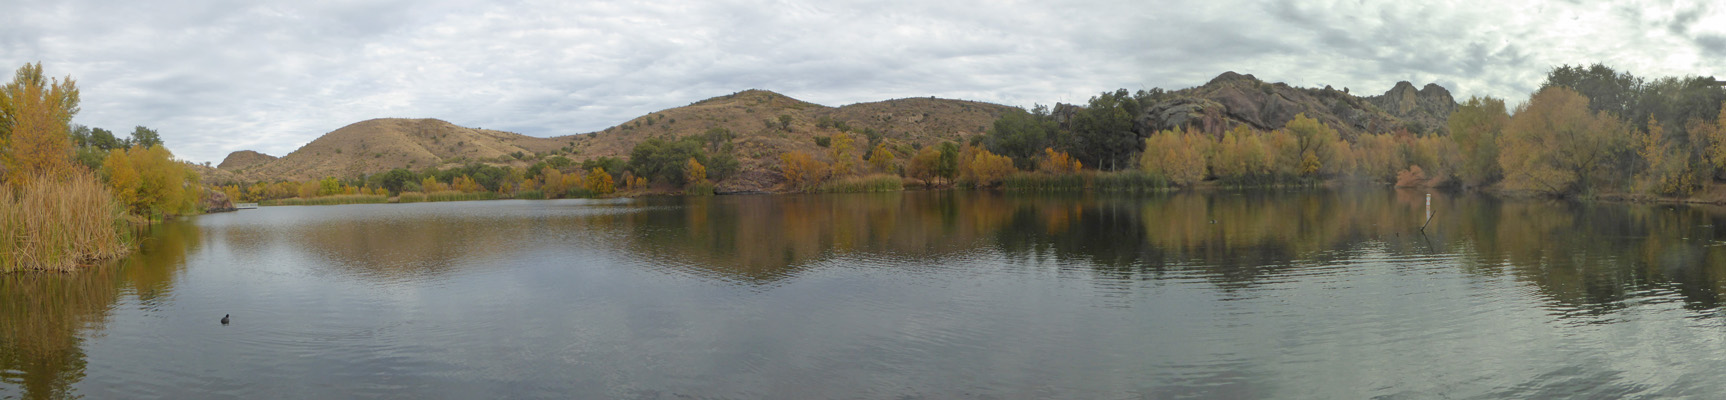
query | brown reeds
(60,222)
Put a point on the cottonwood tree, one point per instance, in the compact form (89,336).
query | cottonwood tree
(35,112)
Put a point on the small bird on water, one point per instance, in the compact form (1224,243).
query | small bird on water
(224,319)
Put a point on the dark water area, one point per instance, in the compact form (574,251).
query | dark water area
(1317,294)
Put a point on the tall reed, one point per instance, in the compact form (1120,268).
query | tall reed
(445,195)
(60,222)
(328,200)
(863,184)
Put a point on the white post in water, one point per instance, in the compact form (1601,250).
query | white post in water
(1428,212)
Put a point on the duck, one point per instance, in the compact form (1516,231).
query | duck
(225,319)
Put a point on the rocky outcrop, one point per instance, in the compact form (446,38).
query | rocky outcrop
(1234,99)
(1422,111)
(216,201)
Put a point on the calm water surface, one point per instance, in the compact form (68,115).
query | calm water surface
(1324,294)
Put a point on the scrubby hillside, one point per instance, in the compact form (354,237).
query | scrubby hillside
(378,145)
(244,158)
(765,124)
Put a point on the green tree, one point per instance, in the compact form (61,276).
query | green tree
(146,137)
(1022,135)
(947,166)
(664,161)
(1104,130)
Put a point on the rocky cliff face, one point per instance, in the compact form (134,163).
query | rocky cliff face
(1233,99)
(1422,111)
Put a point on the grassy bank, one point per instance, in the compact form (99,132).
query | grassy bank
(1125,181)
(863,184)
(447,195)
(59,223)
(328,200)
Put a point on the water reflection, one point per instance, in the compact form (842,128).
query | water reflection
(1586,258)
(1216,294)
(46,317)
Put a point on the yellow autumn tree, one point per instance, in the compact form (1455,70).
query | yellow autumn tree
(149,182)
(1178,157)
(844,162)
(802,171)
(985,168)
(881,159)
(34,113)
(1058,162)
(598,181)
(694,172)
(925,165)
(1555,146)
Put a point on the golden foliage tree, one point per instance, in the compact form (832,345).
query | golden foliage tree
(925,165)
(1314,146)
(694,172)
(802,171)
(149,182)
(1555,146)
(1476,126)
(598,181)
(1058,162)
(840,150)
(881,159)
(986,168)
(1178,157)
(34,114)
(1666,170)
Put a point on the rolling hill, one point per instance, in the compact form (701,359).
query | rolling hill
(767,124)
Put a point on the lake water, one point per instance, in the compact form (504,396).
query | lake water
(1319,294)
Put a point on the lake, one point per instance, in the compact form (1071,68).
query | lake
(947,294)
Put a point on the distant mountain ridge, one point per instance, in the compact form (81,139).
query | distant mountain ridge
(378,145)
(754,116)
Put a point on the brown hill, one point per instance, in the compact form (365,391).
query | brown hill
(244,158)
(379,145)
(1234,99)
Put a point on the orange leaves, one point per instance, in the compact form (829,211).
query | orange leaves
(1058,162)
(802,171)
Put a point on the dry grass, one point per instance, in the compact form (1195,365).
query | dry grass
(447,195)
(329,200)
(59,223)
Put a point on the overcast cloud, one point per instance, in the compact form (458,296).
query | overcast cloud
(220,76)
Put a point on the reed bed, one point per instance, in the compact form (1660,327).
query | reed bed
(1123,181)
(447,195)
(59,223)
(530,195)
(328,200)
(863,184)
(698,189)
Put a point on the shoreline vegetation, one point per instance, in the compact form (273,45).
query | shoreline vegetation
(1587,133)
(72,196)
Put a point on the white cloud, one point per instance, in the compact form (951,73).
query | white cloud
(216,77)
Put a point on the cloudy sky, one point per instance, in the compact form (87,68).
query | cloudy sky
(220,76)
